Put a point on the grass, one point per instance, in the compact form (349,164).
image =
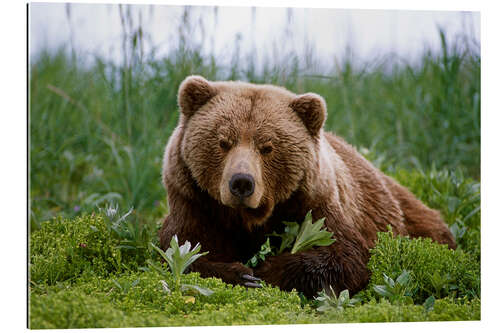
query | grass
(98,130)
(97,134)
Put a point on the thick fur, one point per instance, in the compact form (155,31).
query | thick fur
(277,137)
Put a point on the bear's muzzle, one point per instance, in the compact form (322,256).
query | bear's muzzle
(242,185)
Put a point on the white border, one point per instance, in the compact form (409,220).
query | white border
(13,182)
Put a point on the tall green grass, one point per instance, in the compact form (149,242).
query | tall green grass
(98,128)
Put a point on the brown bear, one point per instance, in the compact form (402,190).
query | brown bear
(245,157)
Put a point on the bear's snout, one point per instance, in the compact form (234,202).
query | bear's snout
(241,185)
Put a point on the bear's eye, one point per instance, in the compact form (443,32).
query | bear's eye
(224,144)
(266,148)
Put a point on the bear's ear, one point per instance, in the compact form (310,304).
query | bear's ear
(311,108)
(194,92)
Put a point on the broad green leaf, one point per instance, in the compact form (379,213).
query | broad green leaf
(458,231)
(310,234)
(404,278)
(330,301)
(160,251)
(388,281)
(344,297)
(179,258)
(253,261)
(324,308)
(353,301)
(429,303)
(197,289)
(288,237)
(382,291)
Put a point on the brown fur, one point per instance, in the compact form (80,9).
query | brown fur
(276,137)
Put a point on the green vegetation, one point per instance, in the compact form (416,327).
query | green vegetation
(399,291)
(457,198)
(63,250)
(296,237)
(421,268)
(178,259)
(97,134)
(311,234)
(328,301)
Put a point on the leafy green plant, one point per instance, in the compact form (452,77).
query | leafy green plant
(311,234)
(435,269)
(161,269)
(458,199)
(65,249)
(443,284)
(111,211)
(458,229)
(124,287)
(264,251)
(399,291)
(429,303)
(187,289)
(297,237)
(91,303)
(304,236)
(330,302)
(133,237)
(288,237)
(178,259)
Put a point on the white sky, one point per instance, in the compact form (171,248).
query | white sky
(96,29)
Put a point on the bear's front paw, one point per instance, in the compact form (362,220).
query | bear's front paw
(252,281)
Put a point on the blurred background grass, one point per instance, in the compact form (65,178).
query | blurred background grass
(98,128)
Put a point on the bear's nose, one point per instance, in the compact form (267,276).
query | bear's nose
(241,185)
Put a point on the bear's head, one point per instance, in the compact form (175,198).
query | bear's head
(249,146)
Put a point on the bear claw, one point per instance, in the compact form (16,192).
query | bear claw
(251,281)
(250,278)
